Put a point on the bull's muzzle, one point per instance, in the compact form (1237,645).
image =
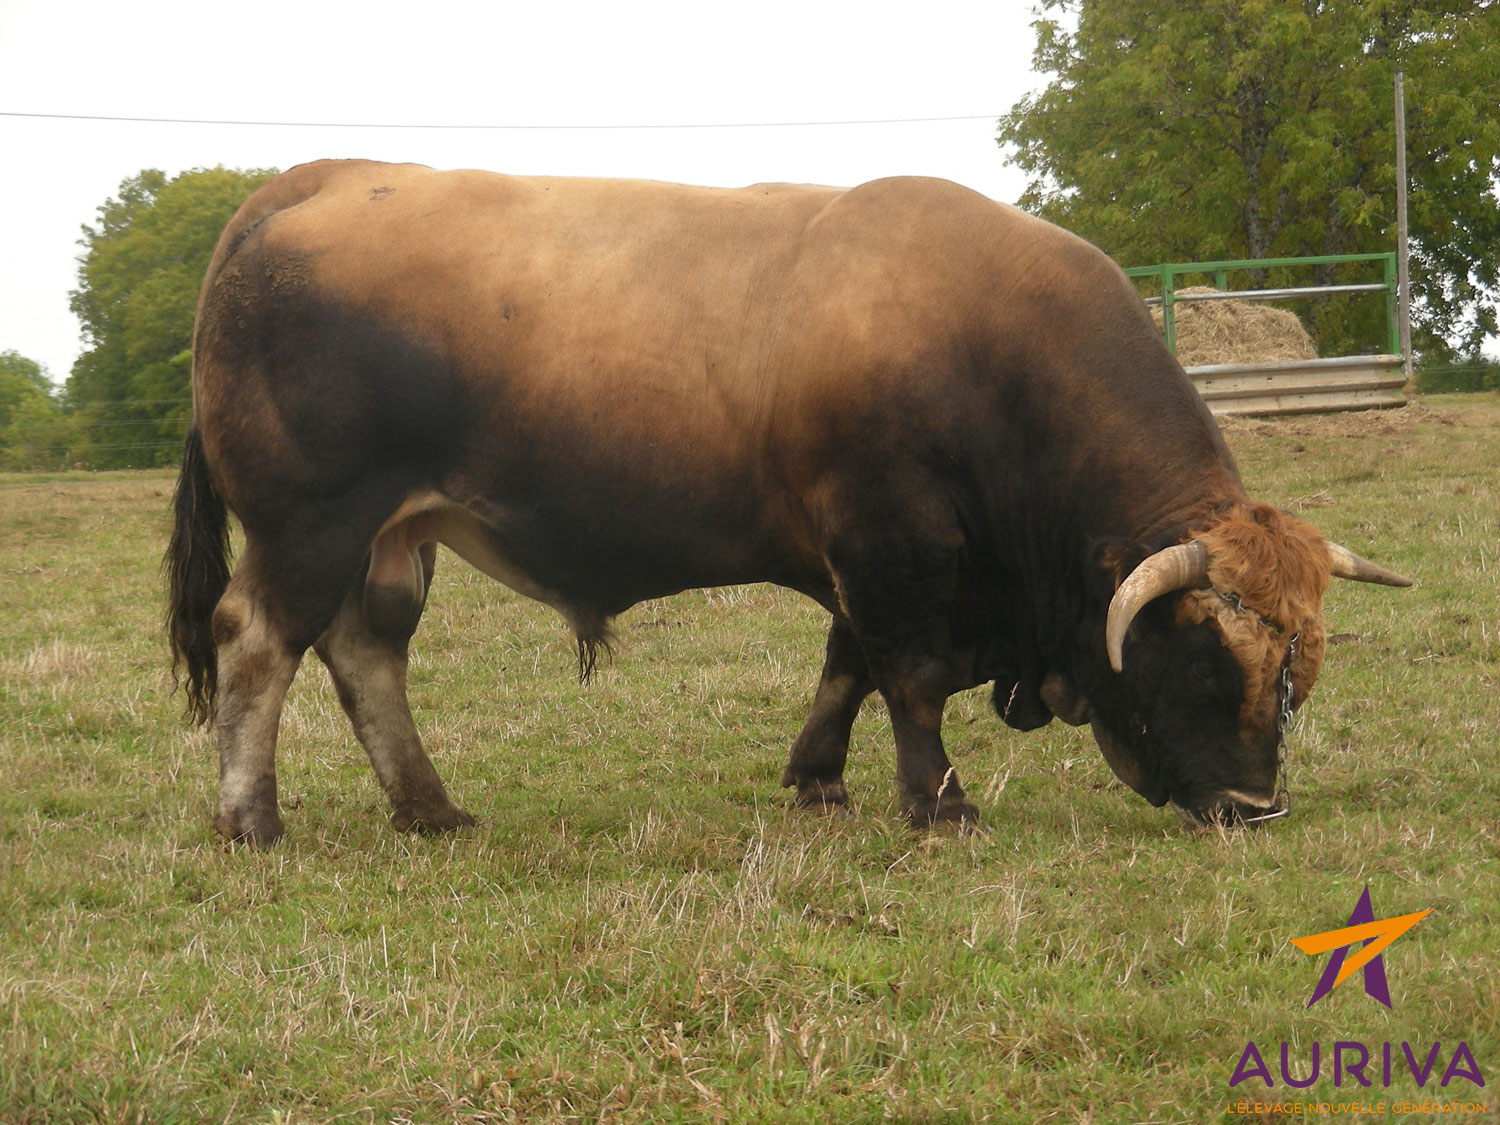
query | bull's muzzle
(1233,810)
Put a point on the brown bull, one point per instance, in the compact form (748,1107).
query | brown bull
(952,425)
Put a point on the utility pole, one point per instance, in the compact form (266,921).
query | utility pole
(1403,274)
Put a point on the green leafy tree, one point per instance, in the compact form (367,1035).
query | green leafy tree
(33,430)
(1264,128)
(20,380)
(37,435)
(137,292)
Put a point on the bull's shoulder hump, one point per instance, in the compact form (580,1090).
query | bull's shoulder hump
(571,189)
(945,200)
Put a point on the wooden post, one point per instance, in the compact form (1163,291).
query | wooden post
(1403,275)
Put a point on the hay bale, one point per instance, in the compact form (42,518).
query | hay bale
(1236,332)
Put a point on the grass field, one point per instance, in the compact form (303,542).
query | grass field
(640,930)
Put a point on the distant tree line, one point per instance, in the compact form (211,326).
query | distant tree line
(1238,129)
(1476,374)
(127,401)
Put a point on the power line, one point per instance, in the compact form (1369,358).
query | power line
(91,447)
(115,425)
(1008,115)
(508,126)
(135,402)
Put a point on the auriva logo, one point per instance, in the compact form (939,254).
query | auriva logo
(1362,927)
(1364,1065)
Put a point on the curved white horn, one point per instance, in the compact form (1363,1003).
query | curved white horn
(1346,564)
(1176,568)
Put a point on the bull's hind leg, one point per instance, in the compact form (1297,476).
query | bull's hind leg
(259,626)
(816,765)
(255,669)
(365,650)
(284,593)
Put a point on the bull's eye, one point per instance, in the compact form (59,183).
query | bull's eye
(1203,670)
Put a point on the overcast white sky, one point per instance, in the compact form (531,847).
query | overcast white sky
(444,62)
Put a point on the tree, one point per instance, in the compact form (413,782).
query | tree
(1264,128)
(137,293)
(37,435)
(20,379)
(33,430)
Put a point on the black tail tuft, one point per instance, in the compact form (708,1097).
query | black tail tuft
(594,637)
(197,569)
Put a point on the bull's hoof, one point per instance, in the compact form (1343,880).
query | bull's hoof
(431,820)
(255,828)
(951,812)
(823,796)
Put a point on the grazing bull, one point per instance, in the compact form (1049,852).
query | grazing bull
(952,425)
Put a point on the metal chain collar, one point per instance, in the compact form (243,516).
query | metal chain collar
(1284,690)
(1283,798)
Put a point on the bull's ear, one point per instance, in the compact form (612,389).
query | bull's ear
(1179,567)
(1117,558)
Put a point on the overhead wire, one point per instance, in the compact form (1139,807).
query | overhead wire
(521,126)
(606,126)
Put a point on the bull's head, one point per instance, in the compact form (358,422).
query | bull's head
(1213,643)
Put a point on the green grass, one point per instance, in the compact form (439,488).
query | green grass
(640,930)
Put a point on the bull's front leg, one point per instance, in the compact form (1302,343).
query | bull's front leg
(816,764)
(898,593)
(916,691)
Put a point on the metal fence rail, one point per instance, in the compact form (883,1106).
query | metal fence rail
(1271,294)
(1336,383)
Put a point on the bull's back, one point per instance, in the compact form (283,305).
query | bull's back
(595,352)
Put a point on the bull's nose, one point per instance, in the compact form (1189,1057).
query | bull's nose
(1232,810)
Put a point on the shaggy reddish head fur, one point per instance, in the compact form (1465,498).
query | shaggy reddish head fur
(1279,568)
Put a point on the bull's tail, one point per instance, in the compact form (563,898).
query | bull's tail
(197,568)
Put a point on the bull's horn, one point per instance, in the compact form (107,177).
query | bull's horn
(1346,564)
(1175,568)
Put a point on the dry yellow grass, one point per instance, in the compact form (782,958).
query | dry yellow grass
(1232,331)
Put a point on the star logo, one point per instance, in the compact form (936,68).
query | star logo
(1362,927)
